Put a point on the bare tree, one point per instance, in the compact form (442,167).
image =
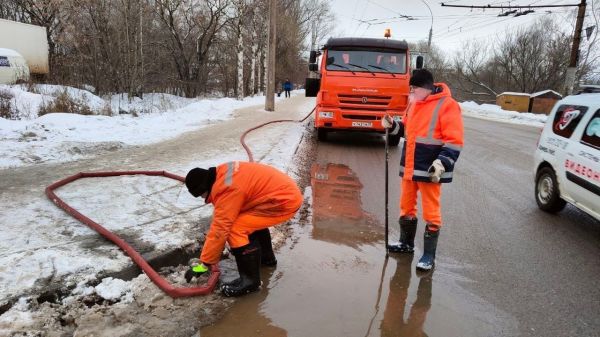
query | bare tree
(534,57)
(184,47)
(190,23)
(470,65)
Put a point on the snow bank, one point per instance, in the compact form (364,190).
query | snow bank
(494,112)
(27,104)
(150,103)
(95,103)
(24,103)
(59,137)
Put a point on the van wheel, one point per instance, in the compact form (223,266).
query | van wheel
(547,194)
(394,140)
(321,134)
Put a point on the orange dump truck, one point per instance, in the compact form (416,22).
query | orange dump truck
(357,82)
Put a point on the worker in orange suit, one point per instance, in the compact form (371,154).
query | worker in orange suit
(248,198)
(433,139)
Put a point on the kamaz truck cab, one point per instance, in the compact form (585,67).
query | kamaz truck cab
(358,81)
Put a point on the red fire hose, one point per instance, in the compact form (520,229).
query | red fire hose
(242,138)
(133,254)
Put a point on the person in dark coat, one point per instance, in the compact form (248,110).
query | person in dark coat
(287,87)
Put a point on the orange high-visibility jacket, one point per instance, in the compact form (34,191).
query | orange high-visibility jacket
(433,129)
(249,188)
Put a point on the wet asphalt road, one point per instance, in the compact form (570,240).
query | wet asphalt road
(504,268)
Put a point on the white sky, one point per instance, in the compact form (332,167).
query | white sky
(451,26)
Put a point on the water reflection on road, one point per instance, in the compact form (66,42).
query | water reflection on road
(333,278)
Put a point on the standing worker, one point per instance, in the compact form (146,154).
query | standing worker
(433,132)
(248,198)
(287,86)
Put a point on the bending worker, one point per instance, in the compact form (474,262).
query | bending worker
(433,133)
(248,198)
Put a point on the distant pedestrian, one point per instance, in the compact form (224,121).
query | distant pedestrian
(433,131)
(287,87)
(248,198)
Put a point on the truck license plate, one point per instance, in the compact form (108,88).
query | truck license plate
(362,124)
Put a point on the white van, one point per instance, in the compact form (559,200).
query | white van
(13,67)
(567,159)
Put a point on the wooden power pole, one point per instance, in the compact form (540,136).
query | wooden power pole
(270,92)
(572,70)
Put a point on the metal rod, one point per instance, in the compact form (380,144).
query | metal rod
(386,188)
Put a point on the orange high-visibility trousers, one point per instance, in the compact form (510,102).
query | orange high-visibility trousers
(430,200)
(246,224)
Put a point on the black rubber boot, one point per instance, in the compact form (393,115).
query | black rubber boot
(408,229)
(263,237)
(430,240)
(247,259)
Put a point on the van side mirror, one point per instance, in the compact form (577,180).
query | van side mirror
(313,57)
(419,62)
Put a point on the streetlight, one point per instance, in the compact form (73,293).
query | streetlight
(430,28)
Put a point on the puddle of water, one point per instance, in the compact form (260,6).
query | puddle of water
(336,280)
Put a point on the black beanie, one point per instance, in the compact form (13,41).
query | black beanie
(421,78)
(199,180)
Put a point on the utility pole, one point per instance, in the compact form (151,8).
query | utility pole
(430,27)
(141,91)
(572,70)
(270,92)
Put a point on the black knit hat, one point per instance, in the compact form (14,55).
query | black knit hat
(421,78)
(199,180)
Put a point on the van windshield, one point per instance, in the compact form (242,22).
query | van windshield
(372,61)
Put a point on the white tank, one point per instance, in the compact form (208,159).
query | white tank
(13,67)
(29,41)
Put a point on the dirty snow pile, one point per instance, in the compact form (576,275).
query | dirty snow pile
(59,137)
(44,249)
(496,113)
(27,102)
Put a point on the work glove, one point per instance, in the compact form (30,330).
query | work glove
(195,271)
(436,170)
(387,121)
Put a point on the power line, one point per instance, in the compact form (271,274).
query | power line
(480,24)
(453,35)
(509,6)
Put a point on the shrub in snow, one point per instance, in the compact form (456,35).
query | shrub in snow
(65,103)
(6,109)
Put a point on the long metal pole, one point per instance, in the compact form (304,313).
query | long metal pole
(386,189)
(430,27)
(270,93)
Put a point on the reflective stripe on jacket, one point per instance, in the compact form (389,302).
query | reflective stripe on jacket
(249,188)
(433,129)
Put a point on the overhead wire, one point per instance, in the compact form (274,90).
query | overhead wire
(362,15)
(467,23)
(467,27)
(478,25)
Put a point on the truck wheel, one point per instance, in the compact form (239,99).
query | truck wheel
(547,194)
(394,140)
(321,134)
